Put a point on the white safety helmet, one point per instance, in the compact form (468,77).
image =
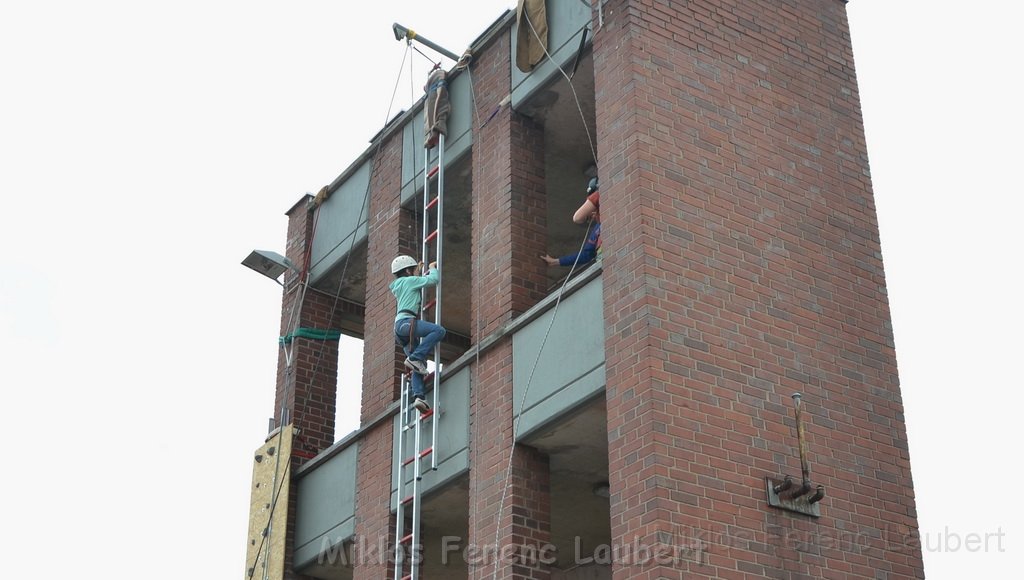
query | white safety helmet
(401,263)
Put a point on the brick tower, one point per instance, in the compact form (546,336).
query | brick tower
(632,417)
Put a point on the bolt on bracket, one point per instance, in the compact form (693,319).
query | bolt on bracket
(783,499)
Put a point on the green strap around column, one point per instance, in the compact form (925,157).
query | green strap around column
(312,333)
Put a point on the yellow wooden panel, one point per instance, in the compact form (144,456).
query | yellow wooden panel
(268,507)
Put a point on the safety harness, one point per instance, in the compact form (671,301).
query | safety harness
(413,317)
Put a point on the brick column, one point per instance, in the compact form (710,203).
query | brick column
(509,232)
(392,231)
(530,494)
(521,491)
(307,387)
(307,369)
(510,201)
(742,264)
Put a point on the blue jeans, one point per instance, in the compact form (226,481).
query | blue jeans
(428,335)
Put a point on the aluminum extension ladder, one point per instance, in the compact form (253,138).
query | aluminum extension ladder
(408,543)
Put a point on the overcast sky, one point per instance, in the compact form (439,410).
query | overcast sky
(147,147)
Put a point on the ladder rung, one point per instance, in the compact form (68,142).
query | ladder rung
(434,171)
(430,237)
(412,425)
(432,203)
(407,500)
(430,304)
(420,455)
(405,539)
(407,577)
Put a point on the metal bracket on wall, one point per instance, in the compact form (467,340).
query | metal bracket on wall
(800,504)
(786,494)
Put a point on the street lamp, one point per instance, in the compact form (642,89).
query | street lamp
(270,264)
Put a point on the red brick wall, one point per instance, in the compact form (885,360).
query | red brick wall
(742,264)
(308,387)
(521,491)
(375,531)
(391,231)
(528,214)
(509,234)
(529,496)
(510,217)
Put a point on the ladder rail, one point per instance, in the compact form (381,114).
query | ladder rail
(425,233)
(416,503)
(400,491)
(407,543)
(437,297)
(411,418)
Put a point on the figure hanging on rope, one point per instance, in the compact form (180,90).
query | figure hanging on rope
(436,107)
